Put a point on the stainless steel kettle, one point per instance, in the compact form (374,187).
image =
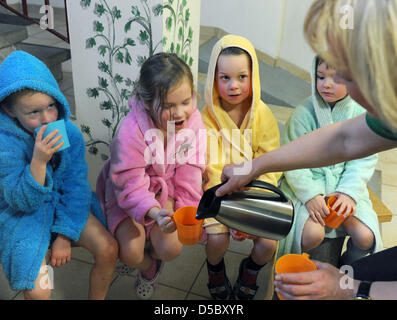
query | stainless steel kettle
(263,214)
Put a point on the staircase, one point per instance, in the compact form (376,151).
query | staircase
(14,35)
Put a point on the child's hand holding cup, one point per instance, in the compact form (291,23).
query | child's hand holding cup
(56,125)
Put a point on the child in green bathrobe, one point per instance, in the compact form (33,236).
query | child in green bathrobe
(307,188)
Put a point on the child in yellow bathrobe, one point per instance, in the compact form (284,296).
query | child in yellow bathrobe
(240,127)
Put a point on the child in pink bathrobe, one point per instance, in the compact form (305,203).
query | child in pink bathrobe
(156,166)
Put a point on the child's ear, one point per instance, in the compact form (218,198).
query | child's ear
(9,111)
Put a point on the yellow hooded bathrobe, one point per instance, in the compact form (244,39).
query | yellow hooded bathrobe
(226,143)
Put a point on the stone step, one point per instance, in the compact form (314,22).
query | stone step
(201,81)
(8,17)
(11,34)
(205,53)
(51,56)
(13,31)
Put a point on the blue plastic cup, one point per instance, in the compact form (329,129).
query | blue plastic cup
(60,125)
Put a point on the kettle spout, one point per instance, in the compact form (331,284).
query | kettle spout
(209,205)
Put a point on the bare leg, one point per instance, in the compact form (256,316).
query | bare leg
(131,237)
(97,240)
(166,246)
(312,235)
(42,291)
(216,247)
(263,250)
(362,236)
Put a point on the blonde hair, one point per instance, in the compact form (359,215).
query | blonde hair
(367,53)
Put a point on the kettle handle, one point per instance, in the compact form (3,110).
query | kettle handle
(265,185)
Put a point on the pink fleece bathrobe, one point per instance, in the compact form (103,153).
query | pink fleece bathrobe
(141,175)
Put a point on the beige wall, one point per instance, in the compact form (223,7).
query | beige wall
(275,27)
(294,48)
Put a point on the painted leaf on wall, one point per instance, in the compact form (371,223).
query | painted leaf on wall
(115,88)
(177,23)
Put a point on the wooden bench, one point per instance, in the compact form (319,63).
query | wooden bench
(384,214)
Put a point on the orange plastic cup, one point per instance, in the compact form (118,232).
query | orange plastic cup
(293,263)
(241,234)
(333,220)
(188,227)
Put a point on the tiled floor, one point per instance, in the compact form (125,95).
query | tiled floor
(186,276)
(182,278)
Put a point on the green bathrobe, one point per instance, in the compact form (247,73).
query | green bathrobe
(349,177)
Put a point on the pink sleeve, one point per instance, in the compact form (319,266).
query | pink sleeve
(128,175)
(188,186)
(189,176)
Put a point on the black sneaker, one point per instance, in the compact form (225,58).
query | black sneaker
(222,291)
(243,291)
(218,283)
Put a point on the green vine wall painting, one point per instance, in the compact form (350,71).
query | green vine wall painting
(177,25)
(113,90)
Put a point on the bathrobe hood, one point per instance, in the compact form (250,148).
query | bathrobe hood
(211,92)
(20,70)
(258,132)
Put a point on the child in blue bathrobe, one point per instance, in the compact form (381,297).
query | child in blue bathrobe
(45,197)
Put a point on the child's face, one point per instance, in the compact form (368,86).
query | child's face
(329,90)
(354,92)
(34,110)
(179,105)
(233,79)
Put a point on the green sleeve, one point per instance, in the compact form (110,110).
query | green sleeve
(380,128)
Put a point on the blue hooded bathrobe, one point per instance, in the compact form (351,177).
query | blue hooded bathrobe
(30,212)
